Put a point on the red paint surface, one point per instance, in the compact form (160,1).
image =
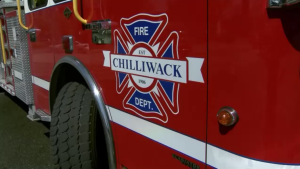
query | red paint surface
(72,27)
(10,14)
(137,151)
(254,68)
(41,98)
(41,51)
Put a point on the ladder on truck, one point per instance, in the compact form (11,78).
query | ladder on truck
(15,73)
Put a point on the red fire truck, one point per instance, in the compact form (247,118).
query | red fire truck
(130,84)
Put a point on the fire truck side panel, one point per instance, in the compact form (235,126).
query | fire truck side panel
(254,68)
(71,27)
(41,54)
(189,123)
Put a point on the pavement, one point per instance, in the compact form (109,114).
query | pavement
(23,144)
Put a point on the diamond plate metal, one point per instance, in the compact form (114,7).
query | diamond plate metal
(9,79)
(18,40)
(10,4)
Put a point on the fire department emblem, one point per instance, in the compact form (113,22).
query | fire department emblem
(148,68)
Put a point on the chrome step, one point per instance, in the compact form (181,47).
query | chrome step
(43,116)
(37,115)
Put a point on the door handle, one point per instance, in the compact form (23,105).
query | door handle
(32,34)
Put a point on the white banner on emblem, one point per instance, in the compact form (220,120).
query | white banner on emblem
(106,58)
(195,65)
(172,70)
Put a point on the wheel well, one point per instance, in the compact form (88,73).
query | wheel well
(62,75)
(70,69)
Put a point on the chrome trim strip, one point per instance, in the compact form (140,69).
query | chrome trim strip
(99,101)
(40,82)
(170,138)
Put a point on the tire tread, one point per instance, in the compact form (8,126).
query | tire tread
(70,128)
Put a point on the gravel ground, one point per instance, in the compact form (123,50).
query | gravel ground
(23,144)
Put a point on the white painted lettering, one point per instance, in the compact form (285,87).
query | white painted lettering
(141,31)
(142,102)
(142,52)
(146,30)
(172,70)
(136,30)
(149,105)
(136,101)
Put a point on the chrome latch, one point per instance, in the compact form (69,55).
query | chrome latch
(280,3)
(32,34)
(101,31)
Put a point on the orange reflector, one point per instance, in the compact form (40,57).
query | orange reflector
(224,118)
(227,116)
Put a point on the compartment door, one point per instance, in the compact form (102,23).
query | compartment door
(154,80)
(38,14)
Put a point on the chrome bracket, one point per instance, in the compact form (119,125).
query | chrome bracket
(67,43)
(280,3)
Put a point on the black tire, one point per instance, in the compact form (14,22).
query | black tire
(73,129)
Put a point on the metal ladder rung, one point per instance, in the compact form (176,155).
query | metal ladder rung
(9,79)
